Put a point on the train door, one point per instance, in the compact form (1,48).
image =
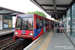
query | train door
(49,24)
(44,28)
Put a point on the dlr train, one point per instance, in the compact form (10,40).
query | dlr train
(31,26)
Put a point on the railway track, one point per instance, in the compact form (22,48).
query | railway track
(6,36)
(5,41)
(23,45)
(9,44)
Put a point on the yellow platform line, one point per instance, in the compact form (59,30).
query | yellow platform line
(38,42)
(44,46)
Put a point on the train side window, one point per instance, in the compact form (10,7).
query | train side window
(45,22)
(48,22)
(41,23)
(37,23)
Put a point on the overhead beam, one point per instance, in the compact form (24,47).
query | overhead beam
(7,13)
(57,12)
(55,17)
(54,5)
(53,10)
(59,16)
(40,6)
(2,8)
(62,6)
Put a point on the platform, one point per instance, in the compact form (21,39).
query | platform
(6,31)
(51,41)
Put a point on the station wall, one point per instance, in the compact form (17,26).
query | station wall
(1,24)
(13,21)
(7,21)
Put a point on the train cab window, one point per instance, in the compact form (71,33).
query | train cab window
(27,24)
(30,24)
(37,23)
(18,23)
(24,22)
(41,23)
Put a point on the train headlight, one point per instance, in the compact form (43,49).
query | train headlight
(16,33)
(31,34)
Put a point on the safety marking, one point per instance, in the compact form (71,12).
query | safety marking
(46,42)
(38,42)
(34,41)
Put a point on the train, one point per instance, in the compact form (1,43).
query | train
(31,26)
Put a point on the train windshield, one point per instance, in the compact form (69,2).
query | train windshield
(24,22)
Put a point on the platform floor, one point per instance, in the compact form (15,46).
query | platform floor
(51,41)
(6,31)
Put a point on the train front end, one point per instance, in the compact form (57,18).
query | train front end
(24,26)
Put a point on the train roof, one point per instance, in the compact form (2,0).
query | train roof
(38,16)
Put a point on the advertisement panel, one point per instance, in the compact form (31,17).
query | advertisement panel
(1,25)
(10,23)
(5,23)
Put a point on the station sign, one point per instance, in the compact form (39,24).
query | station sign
(7,17)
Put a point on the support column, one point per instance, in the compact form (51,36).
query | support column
(67,22)
(71,21)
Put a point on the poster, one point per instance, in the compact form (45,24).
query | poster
(5,23)
(10,23)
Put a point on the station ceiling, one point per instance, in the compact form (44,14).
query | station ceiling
(55,8)
(5,11)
